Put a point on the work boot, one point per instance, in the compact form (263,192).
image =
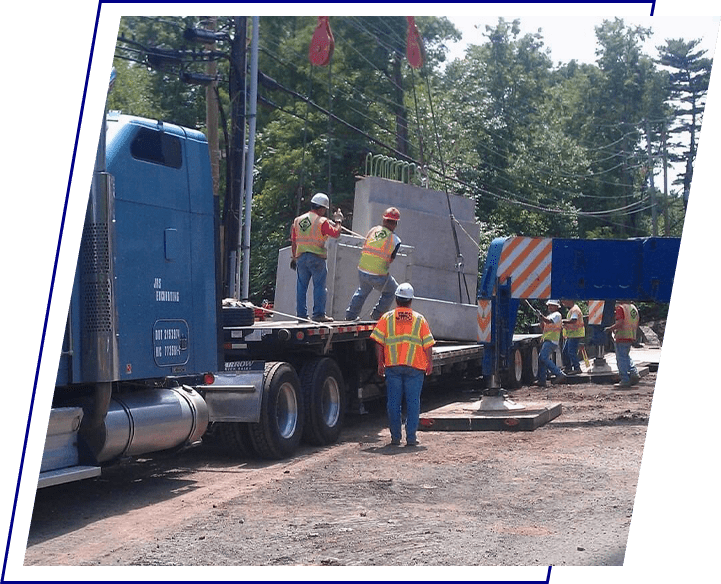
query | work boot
(559,378)
(539,383)
(412,442)
(622,385)
(635,379)
(323,318)
(395,441)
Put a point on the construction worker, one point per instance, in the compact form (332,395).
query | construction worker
(550,338)
(308,236)
(379,250)
(574,331)
(624,335)
(404,355)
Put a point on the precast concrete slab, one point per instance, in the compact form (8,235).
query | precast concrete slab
(472,416)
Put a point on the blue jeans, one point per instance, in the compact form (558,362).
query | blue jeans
(626,367)
(367,282)
(310,266)
(544,361)
(403,381)
(570,353)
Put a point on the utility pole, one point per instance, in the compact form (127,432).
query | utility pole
(652,188)
(211,115)
(250,157)
(234,196)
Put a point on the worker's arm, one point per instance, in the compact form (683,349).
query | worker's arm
(380,358)
(613,327)
(293,249)
(429,358)
(619,321)
(332,228)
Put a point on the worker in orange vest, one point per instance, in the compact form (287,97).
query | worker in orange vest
(308,235)
(624,335)
(379,250)
(404,355)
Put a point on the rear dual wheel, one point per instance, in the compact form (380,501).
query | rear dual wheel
(278,432)
(311,408)
(324,395)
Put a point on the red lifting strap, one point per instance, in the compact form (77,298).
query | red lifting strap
(414,44)
(321,45)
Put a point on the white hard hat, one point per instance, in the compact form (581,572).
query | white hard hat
(555,302)
(321,199)
(405,290)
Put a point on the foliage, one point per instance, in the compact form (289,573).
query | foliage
(546,151)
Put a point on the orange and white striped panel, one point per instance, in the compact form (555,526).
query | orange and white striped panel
(484,321)
(595,312)
(527,261)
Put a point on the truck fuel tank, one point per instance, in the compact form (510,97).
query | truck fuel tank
(149,421)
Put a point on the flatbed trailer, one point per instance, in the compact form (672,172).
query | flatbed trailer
(349,344)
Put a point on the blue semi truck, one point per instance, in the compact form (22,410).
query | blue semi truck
(152,359)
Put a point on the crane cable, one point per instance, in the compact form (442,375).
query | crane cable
(459,256)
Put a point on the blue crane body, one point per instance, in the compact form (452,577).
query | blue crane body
(592,269)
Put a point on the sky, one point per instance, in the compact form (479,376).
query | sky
(573,37)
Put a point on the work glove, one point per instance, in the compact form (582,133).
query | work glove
(338,216)
(292,263)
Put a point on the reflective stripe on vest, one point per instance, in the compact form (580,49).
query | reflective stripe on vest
(377,250)
(575,329)
(308,235)
(551,332)
(627,332)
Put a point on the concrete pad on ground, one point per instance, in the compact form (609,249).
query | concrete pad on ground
(468,416)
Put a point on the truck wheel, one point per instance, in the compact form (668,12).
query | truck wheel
(514,375)
(325,400)
(530,365)
(280,428)
(234,438)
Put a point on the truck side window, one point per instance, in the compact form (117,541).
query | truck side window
(157,147)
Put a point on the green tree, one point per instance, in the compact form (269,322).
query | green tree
(612,132)
(689,77)
(505,128)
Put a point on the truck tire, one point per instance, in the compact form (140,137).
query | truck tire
(514,374)
(325,401)
(530,365)
(280,428)
(234,439)
(238,315)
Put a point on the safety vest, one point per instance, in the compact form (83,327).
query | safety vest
(575,329)
(377,250)
(551,332)
(308,235)
(627,332)
(404,335)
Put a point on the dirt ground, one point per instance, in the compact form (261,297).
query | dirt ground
(562,494)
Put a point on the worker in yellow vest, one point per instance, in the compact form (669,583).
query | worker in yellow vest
(550,338)
(379,250)
(575,331)
(404,355)
(308,235)
(624,335)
